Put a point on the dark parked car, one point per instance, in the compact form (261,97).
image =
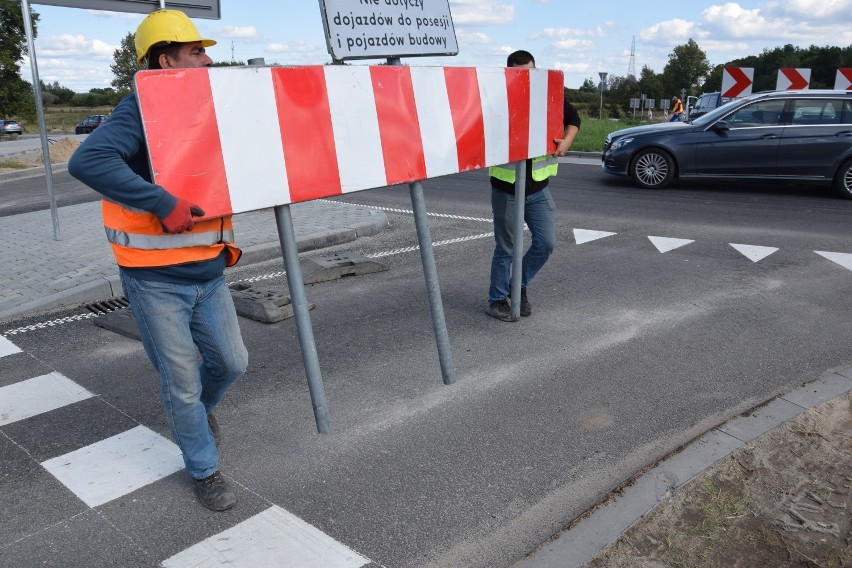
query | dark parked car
(8,126)
(779,135)
(89,123)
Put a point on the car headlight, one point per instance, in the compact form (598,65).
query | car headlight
(620,143)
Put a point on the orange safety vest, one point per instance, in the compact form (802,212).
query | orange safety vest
(678,106)
(138,239)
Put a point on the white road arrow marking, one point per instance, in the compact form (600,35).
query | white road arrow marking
(585,236)
(842,258)
(753,252)
(665,244)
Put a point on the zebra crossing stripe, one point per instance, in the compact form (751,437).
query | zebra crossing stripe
(35,396)
(7,347)
(271,539)
(116,466)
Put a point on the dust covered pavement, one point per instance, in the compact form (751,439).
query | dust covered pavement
(782,500)
(60,152)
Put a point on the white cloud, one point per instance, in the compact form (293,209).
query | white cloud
(74,46)
(672,32)
(115,15)
(811,9)
(562,33)
(238,32)
(574,44)
(295,47)
(572,67)
(481,12)
(468,38)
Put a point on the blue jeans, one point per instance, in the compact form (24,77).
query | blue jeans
(540,216)
(174,320)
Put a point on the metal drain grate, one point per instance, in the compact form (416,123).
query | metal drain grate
(108,306)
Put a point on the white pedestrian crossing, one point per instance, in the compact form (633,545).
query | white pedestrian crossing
(274,538)
(116,466)
(35,396)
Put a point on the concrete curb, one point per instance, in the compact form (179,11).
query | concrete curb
(32,172)
(607,521)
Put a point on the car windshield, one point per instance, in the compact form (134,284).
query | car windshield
(717,112)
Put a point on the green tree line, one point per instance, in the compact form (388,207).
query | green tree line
(688,68)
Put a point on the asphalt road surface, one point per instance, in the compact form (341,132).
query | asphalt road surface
(630,353)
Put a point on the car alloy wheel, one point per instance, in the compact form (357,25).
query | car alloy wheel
(652,169)
(843,181)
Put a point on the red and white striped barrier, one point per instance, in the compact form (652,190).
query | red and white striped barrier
(244,138)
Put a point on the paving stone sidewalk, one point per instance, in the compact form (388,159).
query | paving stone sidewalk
(41,272)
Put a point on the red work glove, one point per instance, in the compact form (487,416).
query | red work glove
(180,219)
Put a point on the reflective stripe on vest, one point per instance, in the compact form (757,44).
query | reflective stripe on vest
(138,240)
(543,167)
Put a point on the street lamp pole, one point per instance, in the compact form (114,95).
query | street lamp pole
(603,75)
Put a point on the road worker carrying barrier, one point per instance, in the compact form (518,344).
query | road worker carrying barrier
(171,265)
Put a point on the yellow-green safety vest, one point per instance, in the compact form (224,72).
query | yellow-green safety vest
(543,167)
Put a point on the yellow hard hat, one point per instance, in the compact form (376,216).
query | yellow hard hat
(166,26)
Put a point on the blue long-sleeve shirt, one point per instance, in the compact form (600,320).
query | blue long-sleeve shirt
(113,160)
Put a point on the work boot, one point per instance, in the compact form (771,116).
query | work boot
(526,307)
(215,492)
(500,310)
(214,429)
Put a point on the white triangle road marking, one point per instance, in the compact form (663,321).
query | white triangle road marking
(665,244)
(7,347)
(753,252)
(584,235)
(842,258)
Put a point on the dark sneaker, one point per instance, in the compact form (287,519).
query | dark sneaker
(500,310)
(526,307)
(214,429)
(215,492)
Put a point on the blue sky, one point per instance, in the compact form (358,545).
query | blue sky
(75,46)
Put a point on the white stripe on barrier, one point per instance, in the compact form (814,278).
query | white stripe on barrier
(257,169)
(7,347)
(38,395)
(436,121)
(356,134)
(108,469)
(538,114)
(495,105)
(271,539)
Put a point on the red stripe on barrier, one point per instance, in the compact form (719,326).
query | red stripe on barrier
(183,121)
(518,91)
(307,133)
(399,128)
(555,108)
(466,110)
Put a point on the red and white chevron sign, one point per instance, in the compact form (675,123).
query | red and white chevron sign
(843,80)
(792,79)
(235,139)
(737,81)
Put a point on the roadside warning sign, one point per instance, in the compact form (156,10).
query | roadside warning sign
(843,81)
(790,79)
(737,81)
(371,29)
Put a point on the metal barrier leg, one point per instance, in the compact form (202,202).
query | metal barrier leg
(433,286)
(287,238)
(518,236)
